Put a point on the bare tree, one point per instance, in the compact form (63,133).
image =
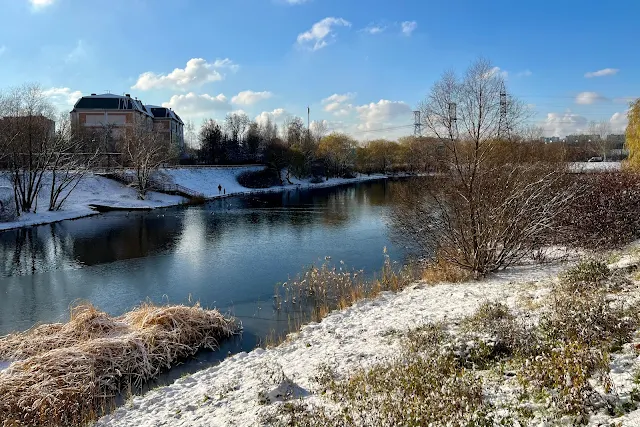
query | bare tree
(294,131)
(268,130)
(530,133)
(489,209)
(190,134)
(236,124)
(319,130)
(27,133)
(69,163)
(145,151)
(598,132)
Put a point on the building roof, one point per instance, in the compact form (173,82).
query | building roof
(108,101)
(163,113)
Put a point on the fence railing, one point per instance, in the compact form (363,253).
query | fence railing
(162,187)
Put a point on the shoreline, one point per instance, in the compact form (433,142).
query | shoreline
(246,387)
(349,339)
(48,217)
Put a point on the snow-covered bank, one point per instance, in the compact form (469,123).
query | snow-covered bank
(206,180)
(93,189)
(98,190)
(247,387)
(229,394)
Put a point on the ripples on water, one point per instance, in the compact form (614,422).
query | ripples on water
(228,254)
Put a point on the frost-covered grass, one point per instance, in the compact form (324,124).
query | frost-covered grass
(534,345)
(443,371)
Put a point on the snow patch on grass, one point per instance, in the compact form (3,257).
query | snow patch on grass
(358,337)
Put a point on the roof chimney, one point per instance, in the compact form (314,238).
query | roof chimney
(93,94)
(128,95)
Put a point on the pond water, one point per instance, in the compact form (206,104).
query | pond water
(227,254)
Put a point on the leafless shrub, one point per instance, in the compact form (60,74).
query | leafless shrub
(69,165)
(492,206)
(603,212)
(145,151)
(505,219)
(27,141)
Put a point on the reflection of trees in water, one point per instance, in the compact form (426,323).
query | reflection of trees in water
(34,249)
(143,234)
(120,236)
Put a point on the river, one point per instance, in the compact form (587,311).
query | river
(227,254)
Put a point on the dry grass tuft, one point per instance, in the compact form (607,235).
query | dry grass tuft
(68,374)
(441,271)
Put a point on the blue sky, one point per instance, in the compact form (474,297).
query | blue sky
(362,66)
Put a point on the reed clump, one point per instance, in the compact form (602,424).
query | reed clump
(69,374)
(312,295)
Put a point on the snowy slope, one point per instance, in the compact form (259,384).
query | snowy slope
(205,180)
(227,394)
(93,189)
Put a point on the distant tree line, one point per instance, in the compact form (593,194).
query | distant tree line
(295,150)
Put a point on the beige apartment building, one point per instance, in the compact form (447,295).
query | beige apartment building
(117,113)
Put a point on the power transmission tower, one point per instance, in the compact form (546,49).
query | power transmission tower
(453,120)
(417,124)
(503,124)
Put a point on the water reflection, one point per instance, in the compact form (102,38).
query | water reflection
(228,253)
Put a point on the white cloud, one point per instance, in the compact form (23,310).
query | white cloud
(321,33)
(338,104)
(62,95)
(563,124)
(625,100)
(376,115)
(196,73)
(602,73)
(408,27)
(525,73)
(40,4)
(249,97)
(588,98)
(77,53)
(273,116)
(374,29)
(497,71)
(197,105)
(619,122)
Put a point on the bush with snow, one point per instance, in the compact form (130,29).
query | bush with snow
(7,205)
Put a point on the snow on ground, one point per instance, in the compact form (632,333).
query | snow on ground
(228,394)
(595,166)
(205,180)
(93,189)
